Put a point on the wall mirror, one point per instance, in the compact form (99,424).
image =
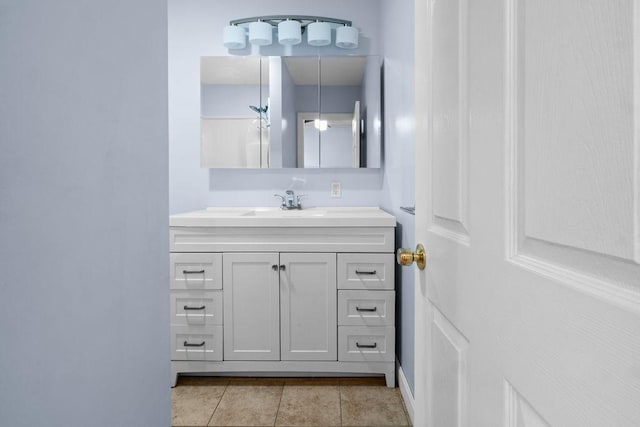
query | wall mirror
(288,112)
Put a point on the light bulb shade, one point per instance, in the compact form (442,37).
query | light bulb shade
(319,34)
(347,37)
(260,33)
(234,37)
(289,32)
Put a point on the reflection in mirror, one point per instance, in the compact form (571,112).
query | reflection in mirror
(290,112)
(332,141)
(234,105)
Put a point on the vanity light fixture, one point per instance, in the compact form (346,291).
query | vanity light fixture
(260,33)
(290,29)
(347,37)
(234,37)
(319,33)
(289,32)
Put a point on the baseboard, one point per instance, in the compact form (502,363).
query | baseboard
(407,396)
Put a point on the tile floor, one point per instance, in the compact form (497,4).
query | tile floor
(215,401)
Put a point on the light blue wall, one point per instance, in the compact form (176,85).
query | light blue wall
(195,30)
(399,158)
(84,316)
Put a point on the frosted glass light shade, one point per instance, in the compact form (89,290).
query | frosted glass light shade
(319,34)
(289,32)
(234,37)
(347,37)
(260,33)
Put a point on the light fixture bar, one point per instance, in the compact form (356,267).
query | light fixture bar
(290,28)
(274,20)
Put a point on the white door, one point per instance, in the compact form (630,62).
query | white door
(308,299)
(251,291)
(528,205)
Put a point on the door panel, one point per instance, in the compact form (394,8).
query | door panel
(448,364)
(251,306)
(529,310)
(449,120)
(572,139)
(308,296)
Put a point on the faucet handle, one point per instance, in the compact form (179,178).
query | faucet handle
(299,200)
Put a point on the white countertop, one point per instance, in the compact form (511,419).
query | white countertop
(276,217)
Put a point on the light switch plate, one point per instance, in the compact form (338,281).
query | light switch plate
(336,190)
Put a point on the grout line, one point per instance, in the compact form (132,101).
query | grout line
(340,396)
(279,402)
(217,404)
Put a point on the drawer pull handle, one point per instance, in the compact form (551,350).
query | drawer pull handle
(369,273)
(186,307)
(188,344)
(374,345)
(366,309)
(192,271)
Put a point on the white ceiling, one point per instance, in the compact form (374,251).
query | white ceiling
(245,70)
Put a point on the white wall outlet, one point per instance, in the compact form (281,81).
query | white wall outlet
(336,190)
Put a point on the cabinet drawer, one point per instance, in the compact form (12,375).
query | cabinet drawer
(196,271)
(196,343)
(366,271)
(366,343)
(197,308)
(366,308)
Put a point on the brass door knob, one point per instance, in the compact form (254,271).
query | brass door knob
(406,256)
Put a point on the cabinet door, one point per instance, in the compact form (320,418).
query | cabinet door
(251,306)
(308,299)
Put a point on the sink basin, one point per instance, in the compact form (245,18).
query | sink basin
(278,212)
(277,217)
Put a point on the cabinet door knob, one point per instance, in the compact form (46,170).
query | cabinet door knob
(274,267)
(283,267)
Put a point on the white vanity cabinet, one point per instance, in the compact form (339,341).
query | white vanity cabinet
(308,305)
(295,299)
(196,306)
(251,306)
(279,306)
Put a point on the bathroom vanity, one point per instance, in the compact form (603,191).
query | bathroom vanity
(266,291)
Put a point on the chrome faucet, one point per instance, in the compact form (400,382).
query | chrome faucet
(290,200)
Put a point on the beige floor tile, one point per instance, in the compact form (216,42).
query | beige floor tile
(194,405)
(372,406)
(362,381)
(256,381)
(248,405)
(309,406)
(297,381)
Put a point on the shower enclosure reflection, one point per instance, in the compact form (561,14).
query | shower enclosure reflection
(275,112)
